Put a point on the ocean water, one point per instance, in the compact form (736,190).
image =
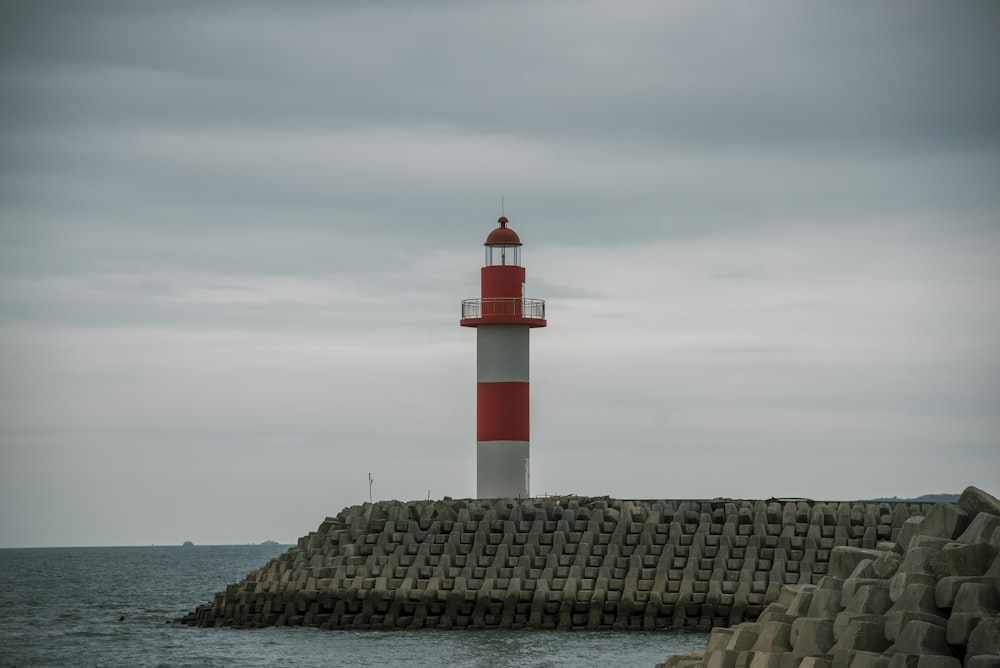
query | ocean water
(111,606)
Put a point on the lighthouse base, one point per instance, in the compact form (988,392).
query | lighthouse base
(502,469)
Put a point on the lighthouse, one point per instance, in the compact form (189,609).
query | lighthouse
(502,317)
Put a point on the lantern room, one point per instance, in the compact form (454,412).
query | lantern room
(503,247)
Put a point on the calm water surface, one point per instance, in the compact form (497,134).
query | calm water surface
(61,607)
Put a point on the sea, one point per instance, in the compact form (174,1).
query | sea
(113,606)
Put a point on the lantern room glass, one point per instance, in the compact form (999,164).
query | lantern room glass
(503,255)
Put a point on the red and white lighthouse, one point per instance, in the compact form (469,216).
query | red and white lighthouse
(502,318)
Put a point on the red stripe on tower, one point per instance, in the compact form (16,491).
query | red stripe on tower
(502,317)
(502,412)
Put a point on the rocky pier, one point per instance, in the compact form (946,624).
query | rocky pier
(927,598)
(590,563)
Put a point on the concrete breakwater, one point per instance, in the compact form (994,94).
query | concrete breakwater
(929,599)
(568,563)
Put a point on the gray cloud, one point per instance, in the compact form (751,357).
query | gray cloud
(898,76)
(234,237)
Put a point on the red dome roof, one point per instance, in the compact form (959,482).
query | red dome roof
(503,235)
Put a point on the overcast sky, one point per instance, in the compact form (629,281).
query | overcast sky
(234,238)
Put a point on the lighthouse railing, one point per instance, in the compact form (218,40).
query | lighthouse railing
(503,306)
